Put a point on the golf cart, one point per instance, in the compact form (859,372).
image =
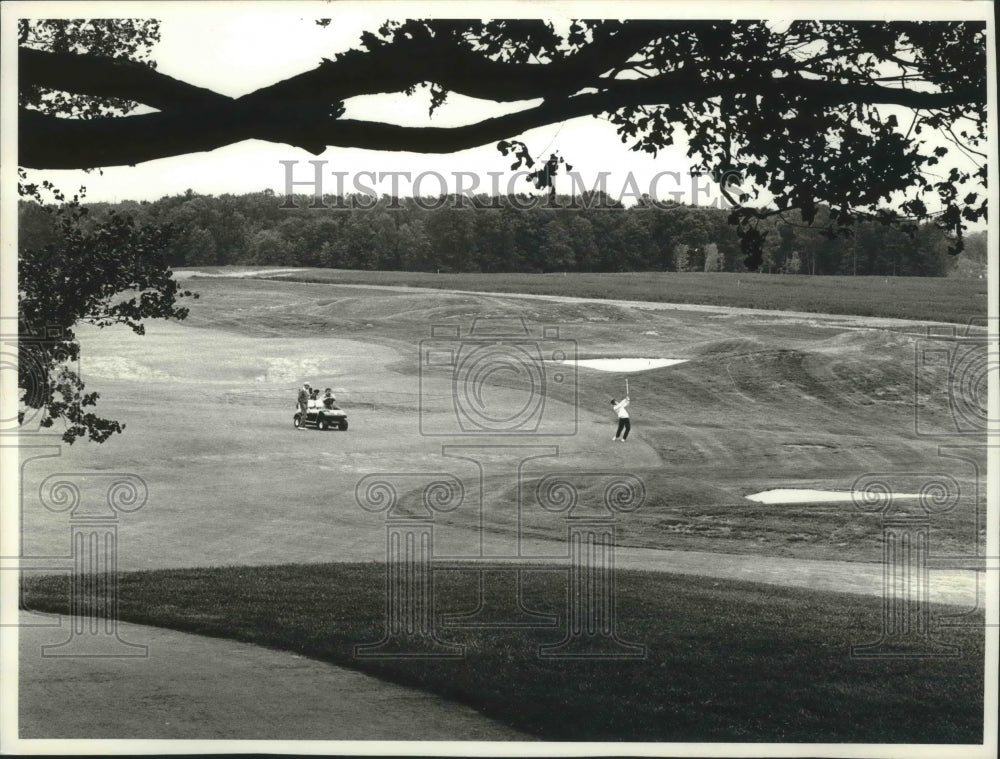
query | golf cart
(321,418)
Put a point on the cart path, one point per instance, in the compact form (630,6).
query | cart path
(194,687)
(957,587)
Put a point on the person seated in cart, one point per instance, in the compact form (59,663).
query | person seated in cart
(314,404)
(329,402)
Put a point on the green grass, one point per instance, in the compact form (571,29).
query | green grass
(927,298)
(726,661)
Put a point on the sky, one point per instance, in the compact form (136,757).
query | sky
(233,53)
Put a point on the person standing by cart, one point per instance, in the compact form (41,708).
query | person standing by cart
(304,393)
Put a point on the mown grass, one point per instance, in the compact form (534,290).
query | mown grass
(725,661)
(927,298)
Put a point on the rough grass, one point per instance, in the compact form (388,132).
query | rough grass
(926,298)
(725,661)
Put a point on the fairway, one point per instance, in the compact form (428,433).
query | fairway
(762,401)
(946,299)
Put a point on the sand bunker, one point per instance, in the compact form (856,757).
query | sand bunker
(627,364)
(289,370)
(122,368)
(796,495)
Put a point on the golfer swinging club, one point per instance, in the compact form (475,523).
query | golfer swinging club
(621,408)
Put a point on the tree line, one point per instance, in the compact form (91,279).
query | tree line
(504,234)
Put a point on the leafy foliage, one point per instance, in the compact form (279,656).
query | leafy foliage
(805,112)
(119,38)
(74,267)
(103,272)
(588,233)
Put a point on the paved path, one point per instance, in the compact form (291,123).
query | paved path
(206,688)
(958,587)
(961,587)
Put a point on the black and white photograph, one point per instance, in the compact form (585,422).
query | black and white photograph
(446,379)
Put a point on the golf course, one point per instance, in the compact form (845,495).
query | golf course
(747,609)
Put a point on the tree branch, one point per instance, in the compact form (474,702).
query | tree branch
(110,77)
(300,114)
(391,68)
(456,68)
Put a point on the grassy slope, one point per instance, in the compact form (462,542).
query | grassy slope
(930,298)
(725,661)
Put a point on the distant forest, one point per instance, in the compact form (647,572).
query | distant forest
(491,234)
